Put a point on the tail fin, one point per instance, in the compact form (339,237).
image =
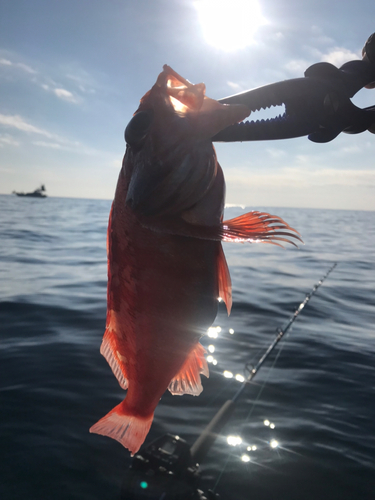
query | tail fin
(129,430)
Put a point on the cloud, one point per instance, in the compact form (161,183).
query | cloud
(276,153)
(57,142)
(75,147)
(17,122)
(45,82)
(22,66)
(83,81)
(26,68)
(6,139)
(297,67)
(350,149)
(339,56)
(52,145)
(59,92)
(65,95)
(234,86)
(5,62)
(307,178)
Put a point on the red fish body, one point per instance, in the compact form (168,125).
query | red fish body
(166,267)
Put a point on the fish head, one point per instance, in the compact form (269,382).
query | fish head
(170,160)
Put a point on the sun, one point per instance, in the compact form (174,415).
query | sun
(229,24)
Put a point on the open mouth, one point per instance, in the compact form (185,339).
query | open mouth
(269,109)
(183,95)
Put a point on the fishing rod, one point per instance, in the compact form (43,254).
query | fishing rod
(167,469)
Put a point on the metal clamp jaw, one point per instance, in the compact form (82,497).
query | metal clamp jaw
(318,105)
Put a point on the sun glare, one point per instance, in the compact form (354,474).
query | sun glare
(229,24)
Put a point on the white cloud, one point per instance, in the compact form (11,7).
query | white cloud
(22,66)
(349,150)
(335,55)
(234,86)
(59,92)
(57,142)
(17,122)
(338,56)
(26,68)
(43,80)
(276,153)
(53,145)
(6,139)
(83,81)
(61,144)
(297,67)
(5,62)
(65,95)
(304,187)
(304,178)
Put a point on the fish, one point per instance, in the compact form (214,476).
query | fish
(166,265)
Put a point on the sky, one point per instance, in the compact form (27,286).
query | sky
(72,73)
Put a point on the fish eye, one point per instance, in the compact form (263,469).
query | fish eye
(137,128)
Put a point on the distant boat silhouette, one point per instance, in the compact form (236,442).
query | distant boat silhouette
(38,193)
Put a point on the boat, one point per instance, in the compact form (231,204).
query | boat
(38,193)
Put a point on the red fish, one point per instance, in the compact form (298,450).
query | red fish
(166,266)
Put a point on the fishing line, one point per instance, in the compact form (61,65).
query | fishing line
(231,381)
(264,383)
(256,368)
(281,333)
(231,454)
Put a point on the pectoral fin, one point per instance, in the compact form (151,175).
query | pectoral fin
(252,227)
(259,227)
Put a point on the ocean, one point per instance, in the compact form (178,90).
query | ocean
(305,426)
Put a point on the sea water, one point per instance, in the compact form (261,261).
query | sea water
(305,426)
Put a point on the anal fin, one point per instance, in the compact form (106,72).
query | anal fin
(109,351)
(188,380)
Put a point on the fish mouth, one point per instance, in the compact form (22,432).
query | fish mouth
(190,100)
(183,95)
(227,116)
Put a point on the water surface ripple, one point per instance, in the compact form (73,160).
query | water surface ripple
(318,391)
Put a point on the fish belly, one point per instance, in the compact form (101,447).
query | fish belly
(162,297)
